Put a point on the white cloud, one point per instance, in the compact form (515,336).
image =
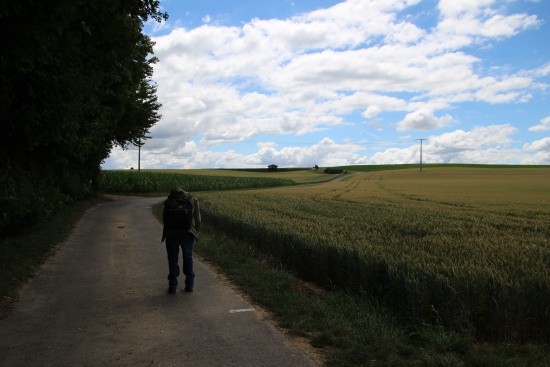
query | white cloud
(372,103)
(541,149)
(423,119)
(543,70)
(372,111)
(394,155)
(478,138)
(502,91)
(483,145)
(543,126)
(478,18)
(330,68)
(452,8)
(303,62)
(324,153)
(542,145)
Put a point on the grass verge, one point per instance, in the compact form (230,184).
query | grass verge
(20,256)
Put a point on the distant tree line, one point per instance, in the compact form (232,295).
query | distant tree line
(75,80)
(333,170)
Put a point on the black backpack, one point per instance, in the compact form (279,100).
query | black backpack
(179,213)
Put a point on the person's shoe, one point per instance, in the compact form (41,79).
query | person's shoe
(172,290)
(189,289)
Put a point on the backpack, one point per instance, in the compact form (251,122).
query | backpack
(179,213)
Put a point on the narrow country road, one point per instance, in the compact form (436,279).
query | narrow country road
(102,300)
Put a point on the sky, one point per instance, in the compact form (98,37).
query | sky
(299,83)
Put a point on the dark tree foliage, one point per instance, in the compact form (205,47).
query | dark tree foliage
(75,80)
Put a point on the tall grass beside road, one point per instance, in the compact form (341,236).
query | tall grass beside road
(133,182)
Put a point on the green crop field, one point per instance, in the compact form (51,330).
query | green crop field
(133,182)
(300,176)
(464,247)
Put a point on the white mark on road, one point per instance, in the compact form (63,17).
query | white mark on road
(242,310)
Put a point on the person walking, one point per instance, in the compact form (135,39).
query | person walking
(182,219)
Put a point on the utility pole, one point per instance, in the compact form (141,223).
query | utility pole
(139,154)
(421,140)
(139,144)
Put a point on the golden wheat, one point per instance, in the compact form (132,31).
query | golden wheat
(463,247)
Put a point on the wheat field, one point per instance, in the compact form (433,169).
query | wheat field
(468,248)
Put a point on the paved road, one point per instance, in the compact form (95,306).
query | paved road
(102,301)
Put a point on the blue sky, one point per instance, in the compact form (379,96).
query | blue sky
(324,82)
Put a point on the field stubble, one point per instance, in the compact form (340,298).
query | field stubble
(466,248)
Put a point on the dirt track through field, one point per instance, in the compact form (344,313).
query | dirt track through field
(102,300)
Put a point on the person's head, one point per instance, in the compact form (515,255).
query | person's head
(176,192)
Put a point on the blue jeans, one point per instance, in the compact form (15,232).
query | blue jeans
(173,242)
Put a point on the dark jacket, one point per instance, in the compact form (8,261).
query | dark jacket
(194,230)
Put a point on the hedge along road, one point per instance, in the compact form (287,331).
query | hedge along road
(102,300)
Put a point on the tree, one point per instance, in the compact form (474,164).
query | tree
(333,170)
(272,167)
(75,80)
